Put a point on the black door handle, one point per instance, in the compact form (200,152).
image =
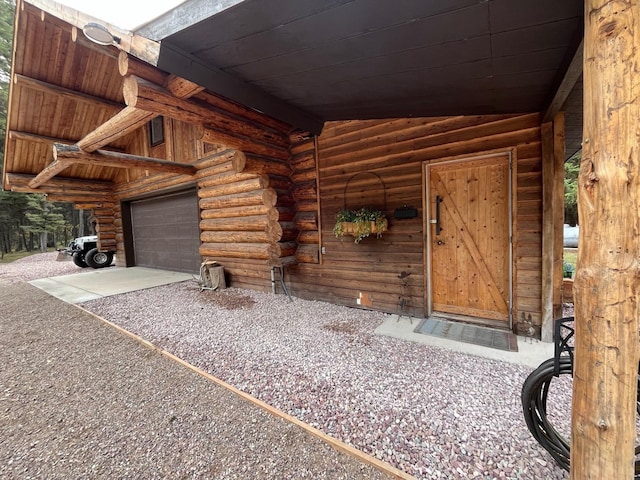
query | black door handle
(438,202)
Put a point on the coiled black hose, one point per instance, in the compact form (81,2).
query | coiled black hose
(535,392)
(534,404)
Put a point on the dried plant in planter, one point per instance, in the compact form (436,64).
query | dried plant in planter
(360,223)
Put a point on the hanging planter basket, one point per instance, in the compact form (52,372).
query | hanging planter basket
(361,222)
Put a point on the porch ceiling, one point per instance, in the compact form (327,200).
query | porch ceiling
(363,59)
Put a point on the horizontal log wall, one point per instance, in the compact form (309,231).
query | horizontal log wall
(396,150)
(303,178)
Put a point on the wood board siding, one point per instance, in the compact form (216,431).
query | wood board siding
(369,274)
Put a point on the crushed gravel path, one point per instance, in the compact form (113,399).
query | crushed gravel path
(428,411)
(78,399)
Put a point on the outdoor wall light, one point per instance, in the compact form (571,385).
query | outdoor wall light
(99,34)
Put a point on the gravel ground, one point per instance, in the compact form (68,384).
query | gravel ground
(79,399)
(37,266)
(428,411)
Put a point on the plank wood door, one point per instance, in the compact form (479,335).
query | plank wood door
(470,243)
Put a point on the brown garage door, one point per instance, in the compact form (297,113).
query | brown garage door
(166,232)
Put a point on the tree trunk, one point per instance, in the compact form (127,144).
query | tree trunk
(607,284)
(81,223)
(43,242)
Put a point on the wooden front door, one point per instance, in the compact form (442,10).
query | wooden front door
(469,218)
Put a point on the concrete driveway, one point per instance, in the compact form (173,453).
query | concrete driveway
(93,284)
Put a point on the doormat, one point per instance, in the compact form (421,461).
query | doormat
(461,332)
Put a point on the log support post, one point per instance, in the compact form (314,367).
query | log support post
(552,223)
(607,283)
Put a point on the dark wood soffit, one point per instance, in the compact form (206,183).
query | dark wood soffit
(174,60)
(566,80)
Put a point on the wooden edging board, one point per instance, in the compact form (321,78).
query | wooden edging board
(333,442)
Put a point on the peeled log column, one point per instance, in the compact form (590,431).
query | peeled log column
(252,164)
(234,237)
(607,284)
(267,197)
(244,211)
(257,183)
(258,251)
(249,223)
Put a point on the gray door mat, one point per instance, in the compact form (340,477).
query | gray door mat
(462,332)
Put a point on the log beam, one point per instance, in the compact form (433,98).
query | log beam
(267,197)
(607,282)
(219,137)
(130,118)
(40,86)
(128,65)
(49,172)
(153,98)
(124,122)
(67,183)
(31,137)
(73,154)
(260,165)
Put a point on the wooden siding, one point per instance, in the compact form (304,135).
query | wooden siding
(396,150)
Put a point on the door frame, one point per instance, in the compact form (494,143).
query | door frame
(427,215)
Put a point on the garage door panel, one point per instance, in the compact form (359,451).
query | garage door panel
(166,232)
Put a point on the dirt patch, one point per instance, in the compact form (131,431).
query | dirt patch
(228,300)
(341,328)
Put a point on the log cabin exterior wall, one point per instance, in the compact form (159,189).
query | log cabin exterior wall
(396,150)
(268,194)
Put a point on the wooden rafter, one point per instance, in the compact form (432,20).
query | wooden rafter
(44,139)
(48,173)
(68,188)
(39,85)
(124,122)
(73,154)
(32,137)
(143,48)
(131,118)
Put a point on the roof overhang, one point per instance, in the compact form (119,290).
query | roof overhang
(310,61)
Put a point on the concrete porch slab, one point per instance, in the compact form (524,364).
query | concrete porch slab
(531,352)
(92,284)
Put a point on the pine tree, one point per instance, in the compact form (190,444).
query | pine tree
(42,218)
